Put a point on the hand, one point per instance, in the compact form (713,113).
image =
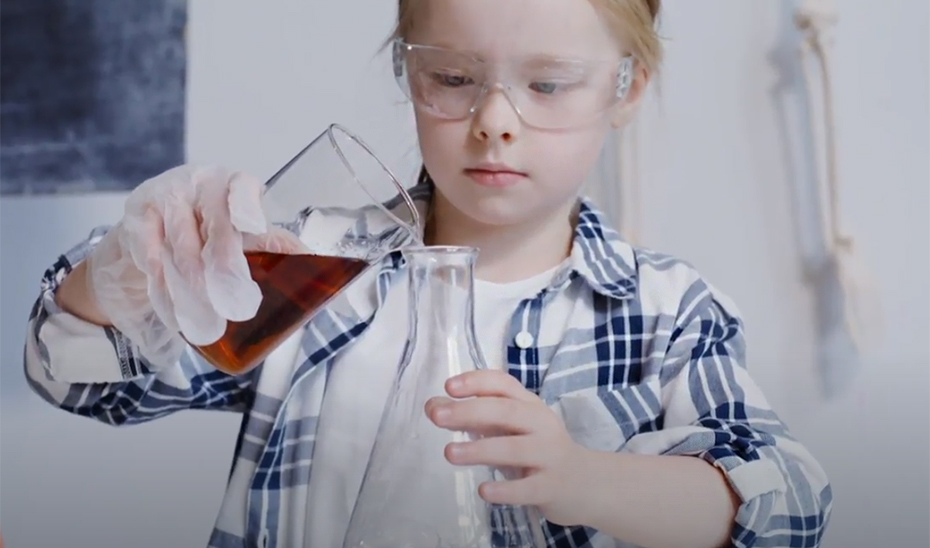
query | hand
(175,263)
(519,432)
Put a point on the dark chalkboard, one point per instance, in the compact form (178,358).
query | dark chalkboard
(91,93)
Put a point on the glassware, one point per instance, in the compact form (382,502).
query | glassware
(411,496)
(348,210)
(546,92)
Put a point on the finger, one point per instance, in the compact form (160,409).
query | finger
(245,204)
(524,451)
(229,284)
(140,199)
(200,325)
(528,491)
(182,234)
(184,270)
(487,413)
(488,382)
(434,404)
(144,238)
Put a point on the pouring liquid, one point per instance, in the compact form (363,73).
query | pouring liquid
(293,288)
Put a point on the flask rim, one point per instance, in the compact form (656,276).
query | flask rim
(440,250)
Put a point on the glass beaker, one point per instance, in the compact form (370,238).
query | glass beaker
(347,210)
(411,496)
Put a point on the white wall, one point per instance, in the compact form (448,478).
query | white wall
(266,79)
(721,175)
(724,162)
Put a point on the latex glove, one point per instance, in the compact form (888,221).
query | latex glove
(175,264)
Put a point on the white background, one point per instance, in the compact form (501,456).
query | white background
(719,187)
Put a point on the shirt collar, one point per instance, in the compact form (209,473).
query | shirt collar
(599,255)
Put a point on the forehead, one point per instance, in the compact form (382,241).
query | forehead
(499,28)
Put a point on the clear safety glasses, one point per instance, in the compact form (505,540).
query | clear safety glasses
(546,92)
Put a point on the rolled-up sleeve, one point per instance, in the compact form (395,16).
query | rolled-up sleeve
(715,411)
(96,371)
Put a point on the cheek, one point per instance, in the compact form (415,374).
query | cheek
(438,140)
(567,160)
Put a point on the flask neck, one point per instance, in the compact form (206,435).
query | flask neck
(442,297)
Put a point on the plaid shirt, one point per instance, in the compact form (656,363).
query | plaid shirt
(651,361)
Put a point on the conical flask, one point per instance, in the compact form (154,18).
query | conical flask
(410,495)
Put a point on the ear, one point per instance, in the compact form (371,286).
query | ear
(623,111)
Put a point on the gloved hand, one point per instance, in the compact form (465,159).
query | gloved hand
(175,263)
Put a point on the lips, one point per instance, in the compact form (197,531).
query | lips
(495,175)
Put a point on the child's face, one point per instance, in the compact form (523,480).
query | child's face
(555,162)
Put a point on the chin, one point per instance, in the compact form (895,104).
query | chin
(498,219)
(516,205)
(497,211)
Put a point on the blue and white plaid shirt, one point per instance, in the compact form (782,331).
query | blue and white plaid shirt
(651,361)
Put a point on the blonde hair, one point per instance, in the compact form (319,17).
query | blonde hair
(633,22)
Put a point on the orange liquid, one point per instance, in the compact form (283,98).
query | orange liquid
(293,288)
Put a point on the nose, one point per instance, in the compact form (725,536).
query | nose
(496,118)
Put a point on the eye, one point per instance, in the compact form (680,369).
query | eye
(546,88)
(451,80)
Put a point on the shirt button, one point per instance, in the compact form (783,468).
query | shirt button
(524,339)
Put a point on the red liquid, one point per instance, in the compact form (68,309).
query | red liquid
(293,288)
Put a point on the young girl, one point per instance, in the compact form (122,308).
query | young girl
(618,374)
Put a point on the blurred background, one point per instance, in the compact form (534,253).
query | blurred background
(724,177)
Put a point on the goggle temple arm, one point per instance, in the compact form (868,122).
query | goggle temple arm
(624,77)
(398,58)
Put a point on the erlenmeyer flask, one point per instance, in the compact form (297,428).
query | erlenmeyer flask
(411,496)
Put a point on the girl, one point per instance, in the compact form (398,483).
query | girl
(620,381)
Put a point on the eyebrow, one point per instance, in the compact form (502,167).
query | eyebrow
(538,59)
(547,59)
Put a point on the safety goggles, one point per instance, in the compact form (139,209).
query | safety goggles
(546,92)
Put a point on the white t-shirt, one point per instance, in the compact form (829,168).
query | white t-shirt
(358,387)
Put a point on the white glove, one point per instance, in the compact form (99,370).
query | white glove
(175,263)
